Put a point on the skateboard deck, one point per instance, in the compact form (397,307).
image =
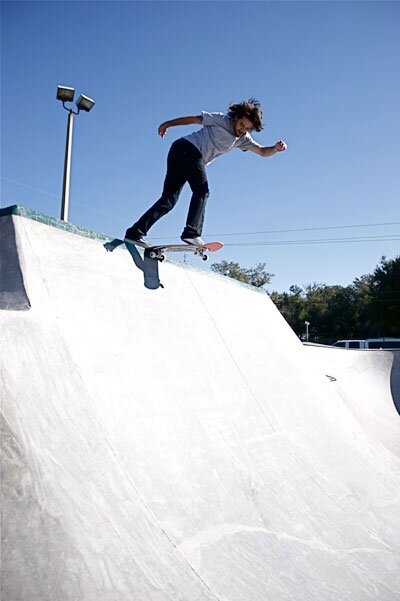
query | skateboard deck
(199,250)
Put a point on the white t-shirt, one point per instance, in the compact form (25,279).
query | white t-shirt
(217,136)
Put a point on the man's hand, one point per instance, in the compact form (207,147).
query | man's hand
(269,151)
(162,130)
(280,146)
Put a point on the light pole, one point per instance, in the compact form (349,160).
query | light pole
(84,103)
(307,323)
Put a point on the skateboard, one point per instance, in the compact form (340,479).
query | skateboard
(199,250)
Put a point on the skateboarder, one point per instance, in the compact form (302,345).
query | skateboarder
(188,157)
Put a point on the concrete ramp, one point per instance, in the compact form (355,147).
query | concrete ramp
(369,383)
(178,444)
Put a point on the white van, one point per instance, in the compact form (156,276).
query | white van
(370,343)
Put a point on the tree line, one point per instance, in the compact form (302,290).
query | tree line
(367,308)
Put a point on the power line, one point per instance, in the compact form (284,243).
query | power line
(310,229)
(226,234)
(7,179)
(58,196)
(389,238)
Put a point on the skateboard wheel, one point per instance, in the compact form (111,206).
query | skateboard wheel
(162,258)
(152,254)
(205,257)
(196,253)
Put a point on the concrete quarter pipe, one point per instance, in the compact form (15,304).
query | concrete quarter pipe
(177,444)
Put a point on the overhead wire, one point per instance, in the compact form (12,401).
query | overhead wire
(388,238)
(300,242)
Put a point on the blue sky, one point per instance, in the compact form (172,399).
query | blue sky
(327,74)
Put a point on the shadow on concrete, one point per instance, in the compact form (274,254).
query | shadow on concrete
(395,381)
(148,266)
(13,295)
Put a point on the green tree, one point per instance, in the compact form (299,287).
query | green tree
(367,308)
(293,308)
(361,288)
(256,276)
(330,310)
(383,306)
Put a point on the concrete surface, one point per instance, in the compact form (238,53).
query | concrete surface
(369,383)
(180,444)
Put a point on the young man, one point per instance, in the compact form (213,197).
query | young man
(188,158)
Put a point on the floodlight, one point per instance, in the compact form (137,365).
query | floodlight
(85,103)
(65,94)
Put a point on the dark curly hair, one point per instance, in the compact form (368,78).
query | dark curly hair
(251,109)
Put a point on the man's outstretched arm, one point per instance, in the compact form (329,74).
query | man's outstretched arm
(193,120)
(268,151)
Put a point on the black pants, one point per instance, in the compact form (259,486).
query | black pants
(185,164)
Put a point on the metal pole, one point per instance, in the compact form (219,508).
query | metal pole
(307,324)
(67,168)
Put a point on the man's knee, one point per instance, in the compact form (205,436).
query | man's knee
(167,203)
(202,191)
